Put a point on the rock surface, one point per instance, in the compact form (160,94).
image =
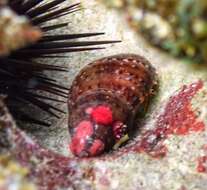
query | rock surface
(169,148)
(15,31)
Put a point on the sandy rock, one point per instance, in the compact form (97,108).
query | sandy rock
(15,31)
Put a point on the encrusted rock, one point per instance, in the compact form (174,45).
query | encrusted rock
(15,31)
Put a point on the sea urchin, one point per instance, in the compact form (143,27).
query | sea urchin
(21,77)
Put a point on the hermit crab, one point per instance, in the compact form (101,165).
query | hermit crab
(105,99)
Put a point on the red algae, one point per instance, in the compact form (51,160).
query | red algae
(178,119)
(202,161)
(183,188)
(202,164)
(52,171)
(48,170)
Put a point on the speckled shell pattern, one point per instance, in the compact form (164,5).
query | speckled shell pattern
(125,82)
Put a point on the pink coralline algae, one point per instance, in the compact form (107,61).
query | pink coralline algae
(202,164)
(48,170)
(202,161)
(178,119)
(52,171)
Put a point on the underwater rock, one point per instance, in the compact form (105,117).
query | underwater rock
(15,31)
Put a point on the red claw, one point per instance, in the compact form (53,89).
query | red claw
(76,146)
(96,148)
(82,132)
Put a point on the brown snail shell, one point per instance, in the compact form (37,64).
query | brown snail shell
(105,99)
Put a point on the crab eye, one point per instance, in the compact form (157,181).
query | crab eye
(119,130)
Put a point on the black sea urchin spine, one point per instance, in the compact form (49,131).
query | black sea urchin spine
(21,77)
